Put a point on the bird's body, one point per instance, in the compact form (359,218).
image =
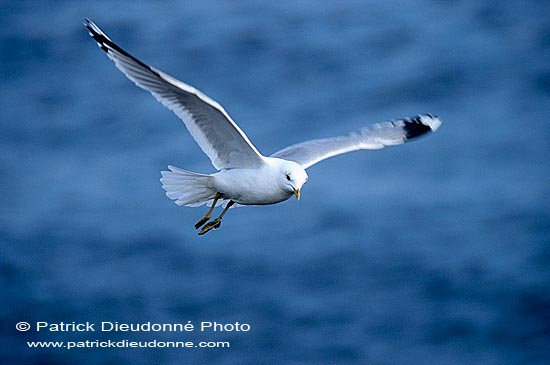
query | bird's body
(259,186)
(245,176)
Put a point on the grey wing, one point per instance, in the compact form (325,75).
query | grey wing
(373,137)
(216,133)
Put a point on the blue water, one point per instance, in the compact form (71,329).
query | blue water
(434,252)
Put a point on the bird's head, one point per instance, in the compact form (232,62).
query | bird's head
(292,177)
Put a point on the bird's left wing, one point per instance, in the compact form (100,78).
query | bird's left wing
(373,137)
(216,133)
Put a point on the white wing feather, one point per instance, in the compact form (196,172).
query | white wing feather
(373,137)
(216,133)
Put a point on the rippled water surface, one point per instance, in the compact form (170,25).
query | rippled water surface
(434,252)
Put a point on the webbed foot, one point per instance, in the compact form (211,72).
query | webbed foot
(213,224)
(207,216)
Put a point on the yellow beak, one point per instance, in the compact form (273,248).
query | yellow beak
(297,193)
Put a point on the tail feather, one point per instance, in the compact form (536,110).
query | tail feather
(186,187)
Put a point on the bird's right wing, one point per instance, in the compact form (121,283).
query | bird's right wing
(373,137)
(216,133)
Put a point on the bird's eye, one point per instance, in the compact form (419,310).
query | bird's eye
(288,177)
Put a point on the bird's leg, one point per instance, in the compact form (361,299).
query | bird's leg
(207,216)
(216,223)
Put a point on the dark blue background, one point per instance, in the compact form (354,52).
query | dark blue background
(431,252)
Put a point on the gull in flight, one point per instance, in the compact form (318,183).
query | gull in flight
(245,176)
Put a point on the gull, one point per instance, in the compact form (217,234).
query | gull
(245,176)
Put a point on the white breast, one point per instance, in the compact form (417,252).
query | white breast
(251,186)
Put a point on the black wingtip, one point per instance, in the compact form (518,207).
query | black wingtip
(420,124)
(90,26)
(108,46)
(97,34)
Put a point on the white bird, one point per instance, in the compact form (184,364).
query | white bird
(245,176)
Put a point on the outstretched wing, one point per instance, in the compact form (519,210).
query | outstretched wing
(373,137)
(216,133)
